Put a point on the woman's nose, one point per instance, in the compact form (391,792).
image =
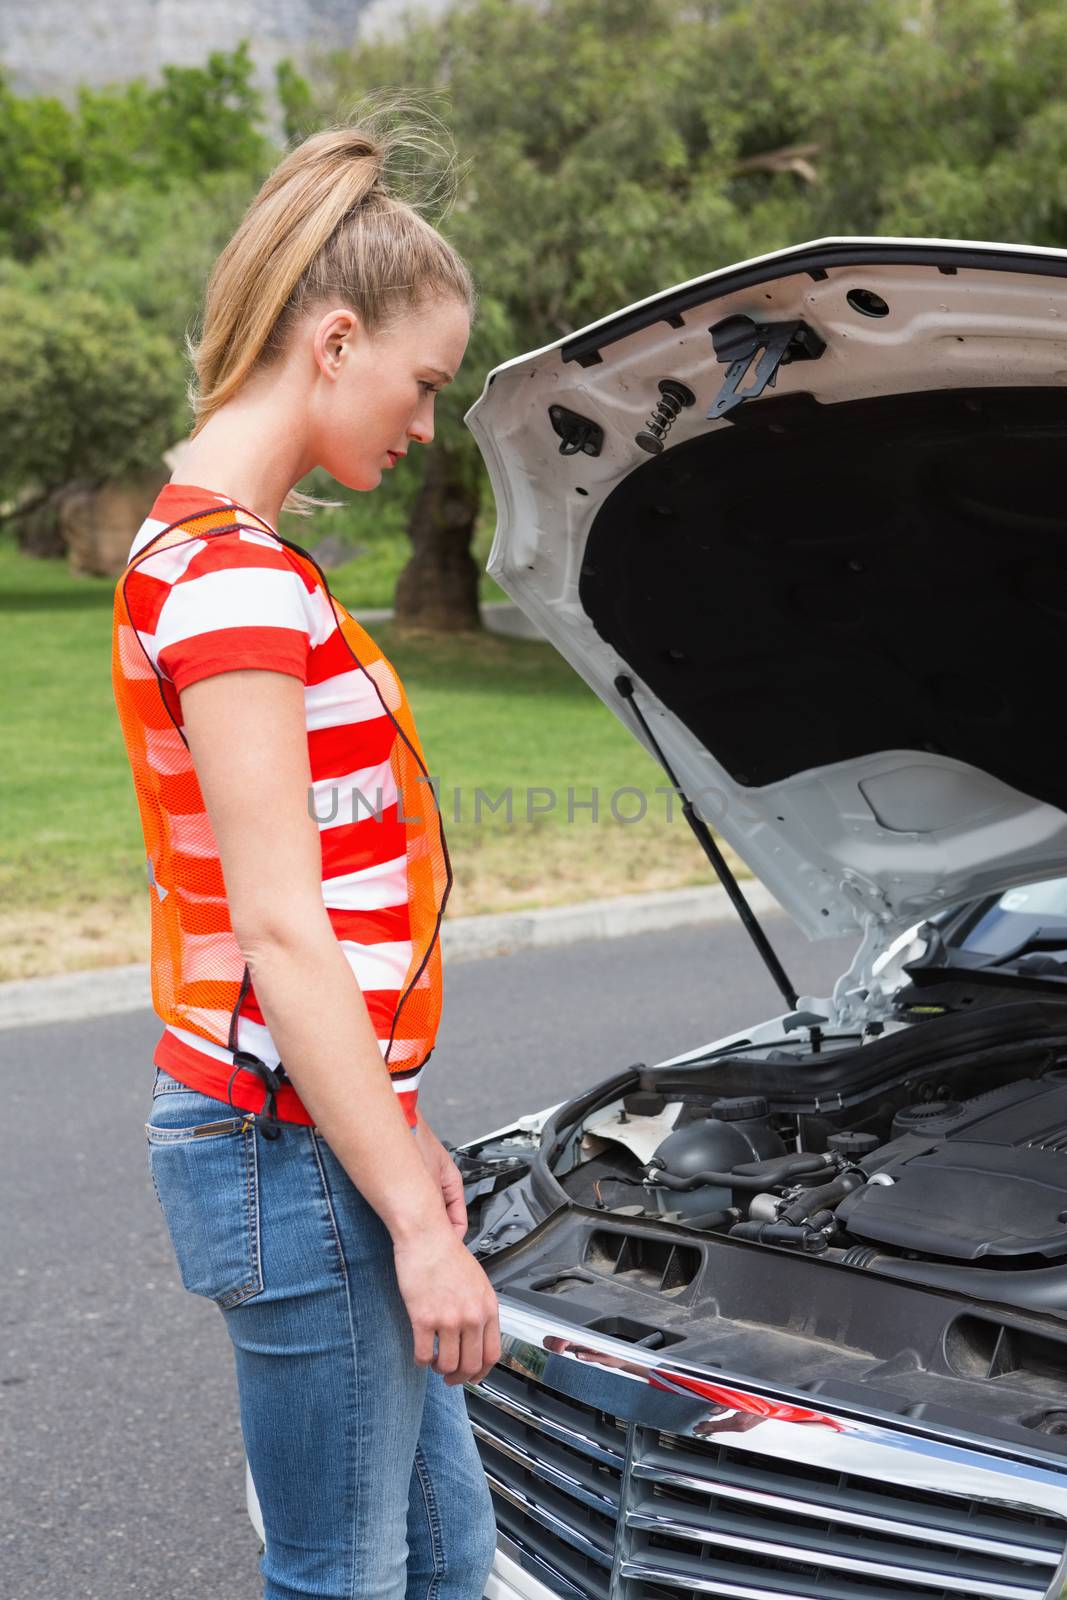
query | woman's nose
(421,429)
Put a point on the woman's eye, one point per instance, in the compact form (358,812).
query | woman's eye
(430,388)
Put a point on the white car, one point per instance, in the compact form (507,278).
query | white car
(785,1317)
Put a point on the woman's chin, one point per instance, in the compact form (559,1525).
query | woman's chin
(362,480)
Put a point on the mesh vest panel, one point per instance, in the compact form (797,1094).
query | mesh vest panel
(198,970)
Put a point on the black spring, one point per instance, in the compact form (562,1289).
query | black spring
(674,396)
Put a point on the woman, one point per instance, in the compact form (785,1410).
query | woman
(297,877)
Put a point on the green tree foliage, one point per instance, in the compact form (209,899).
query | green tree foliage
(613,147)
(40,165)
(88,391)
(296,100)
(141,247)
(197,121)
(111,214)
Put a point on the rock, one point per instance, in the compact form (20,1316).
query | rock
(98,525)
(38,531)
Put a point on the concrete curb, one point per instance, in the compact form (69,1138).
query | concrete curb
(71,996)
(468,938)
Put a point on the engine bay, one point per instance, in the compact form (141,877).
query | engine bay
(882,1217)
(980,1180)
(935,1152)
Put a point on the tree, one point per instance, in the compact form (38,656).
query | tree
(88,392)
(110,218)
(614,147)
(139,246)
(40,166)
(196,122)
(569,135)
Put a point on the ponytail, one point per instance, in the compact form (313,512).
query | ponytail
(324,226)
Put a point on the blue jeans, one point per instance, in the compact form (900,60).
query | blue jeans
(364,1464)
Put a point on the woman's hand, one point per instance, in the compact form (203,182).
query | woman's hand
(450,1299)
(446,1291)
(446,1174)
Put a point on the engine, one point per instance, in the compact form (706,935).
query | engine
(979,1183)
(983,1181)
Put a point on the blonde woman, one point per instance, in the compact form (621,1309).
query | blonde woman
(297,878)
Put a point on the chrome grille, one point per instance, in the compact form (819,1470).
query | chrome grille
(728,1522)
(618,1475)
(554,1467)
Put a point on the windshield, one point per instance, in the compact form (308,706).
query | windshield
(1017,915)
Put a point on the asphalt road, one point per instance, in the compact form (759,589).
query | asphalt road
(121,1463)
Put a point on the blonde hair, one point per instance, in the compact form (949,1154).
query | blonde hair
(326,225)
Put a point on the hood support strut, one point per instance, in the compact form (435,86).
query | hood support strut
(707,843)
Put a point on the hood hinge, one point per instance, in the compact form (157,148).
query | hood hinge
(867,991)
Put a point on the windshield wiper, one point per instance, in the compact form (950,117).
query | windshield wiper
(1041,939)
(943,963)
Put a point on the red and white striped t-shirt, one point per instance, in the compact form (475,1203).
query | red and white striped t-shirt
(234,600)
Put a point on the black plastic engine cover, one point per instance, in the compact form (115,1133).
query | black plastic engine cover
(988,1180)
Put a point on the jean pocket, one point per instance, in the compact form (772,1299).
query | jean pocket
(206,1175)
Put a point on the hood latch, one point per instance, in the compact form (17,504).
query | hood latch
(576,432)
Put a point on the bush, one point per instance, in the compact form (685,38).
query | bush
(86,390)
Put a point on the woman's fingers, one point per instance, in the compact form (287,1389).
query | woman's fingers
(447,1358)
(424,1339)
(466,1352)
(448,1295)
(470,1359)
(491,1342)
(490,1348)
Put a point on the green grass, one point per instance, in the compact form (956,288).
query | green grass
(65,783)
(492,713)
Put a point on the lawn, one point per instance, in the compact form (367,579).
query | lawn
(493,713)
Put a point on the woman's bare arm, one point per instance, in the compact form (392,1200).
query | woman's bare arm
(255,789)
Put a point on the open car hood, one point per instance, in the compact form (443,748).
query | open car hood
(841,601)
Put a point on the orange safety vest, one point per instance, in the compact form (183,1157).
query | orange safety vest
(199,973)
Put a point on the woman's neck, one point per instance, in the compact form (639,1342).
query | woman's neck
(250,450)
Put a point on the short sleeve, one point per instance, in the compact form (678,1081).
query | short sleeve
(239,603)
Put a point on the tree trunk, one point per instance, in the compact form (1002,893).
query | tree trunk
(438,589)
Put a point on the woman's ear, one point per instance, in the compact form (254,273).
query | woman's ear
(333,335)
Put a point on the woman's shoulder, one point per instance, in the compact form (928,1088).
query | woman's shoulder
(225,596)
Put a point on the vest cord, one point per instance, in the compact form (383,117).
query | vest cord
(271,1078)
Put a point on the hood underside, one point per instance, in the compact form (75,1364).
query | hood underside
(841,601)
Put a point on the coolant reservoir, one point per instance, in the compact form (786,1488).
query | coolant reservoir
(738,1130)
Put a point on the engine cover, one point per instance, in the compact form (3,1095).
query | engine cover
(986,1182)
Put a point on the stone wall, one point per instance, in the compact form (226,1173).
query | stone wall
(49,46)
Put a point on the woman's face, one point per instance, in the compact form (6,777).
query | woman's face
(374,393)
